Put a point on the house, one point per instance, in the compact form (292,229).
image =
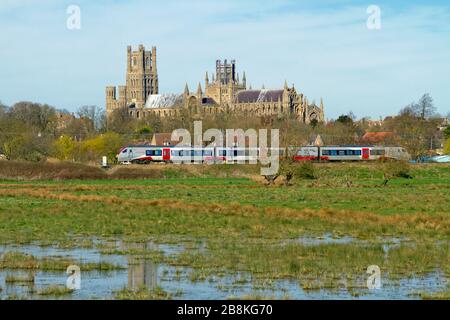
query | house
(382,137)
(163,139)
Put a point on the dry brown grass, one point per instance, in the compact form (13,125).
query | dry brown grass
(21,170)
(417,221)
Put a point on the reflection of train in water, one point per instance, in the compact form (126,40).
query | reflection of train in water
(188,154)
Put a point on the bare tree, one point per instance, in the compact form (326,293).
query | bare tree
(42,117)
(425,107)
(95,114)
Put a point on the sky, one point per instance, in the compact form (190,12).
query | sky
(323,47)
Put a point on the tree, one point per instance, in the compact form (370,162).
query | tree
(64,148)
(3,109)
(107,144)
(95,114)
(417,135)
(447,132)
(27,147)
(120,121)
(40,116)
(447,147)
(345,120)
(314,123)
(425,107)
(394,169)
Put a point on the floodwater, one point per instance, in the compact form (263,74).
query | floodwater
(176,280)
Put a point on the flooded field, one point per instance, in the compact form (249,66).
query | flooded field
(209,237)
(135,272)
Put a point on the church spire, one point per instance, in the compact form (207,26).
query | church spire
(186,89)
(199,89)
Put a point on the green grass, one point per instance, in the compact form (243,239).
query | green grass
(244,224)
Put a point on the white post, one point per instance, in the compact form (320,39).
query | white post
(104,161)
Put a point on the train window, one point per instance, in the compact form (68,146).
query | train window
(158,152)
(333,152)
(207,152)
(325,152)
(341,152)
(149,153)
(357,152)
(349,152)
(125,151)
(378,152)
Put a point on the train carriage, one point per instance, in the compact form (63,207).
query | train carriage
(143,154)
(210,155)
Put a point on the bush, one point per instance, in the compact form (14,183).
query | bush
(447,147)
(65,148)
(394,169)
(294,170)
(107,144)
(25,147)
(305,170)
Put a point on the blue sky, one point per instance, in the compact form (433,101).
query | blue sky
(323,47)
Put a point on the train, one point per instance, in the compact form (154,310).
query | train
(350,153)
(144,154)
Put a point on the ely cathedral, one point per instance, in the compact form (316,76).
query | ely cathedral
(223,92)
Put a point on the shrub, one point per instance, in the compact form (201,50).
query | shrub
(65,148)
(394,169)
(305,170)
(447,147)
(107,144)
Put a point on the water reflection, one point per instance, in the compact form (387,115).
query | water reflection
(141,272)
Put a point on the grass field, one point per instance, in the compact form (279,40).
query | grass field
(231,222)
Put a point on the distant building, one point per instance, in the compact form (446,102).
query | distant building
(141,81)
(378,137)
(63,119)
(163,139)
(224,93)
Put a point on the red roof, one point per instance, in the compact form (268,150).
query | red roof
(376,137)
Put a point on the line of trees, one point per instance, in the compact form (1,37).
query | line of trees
(32,131)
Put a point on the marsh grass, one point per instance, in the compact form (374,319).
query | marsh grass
(54,290)
(19,260)
(142,293)
(230,224)
(20,279)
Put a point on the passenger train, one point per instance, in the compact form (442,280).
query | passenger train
(350,153)
(178,154)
